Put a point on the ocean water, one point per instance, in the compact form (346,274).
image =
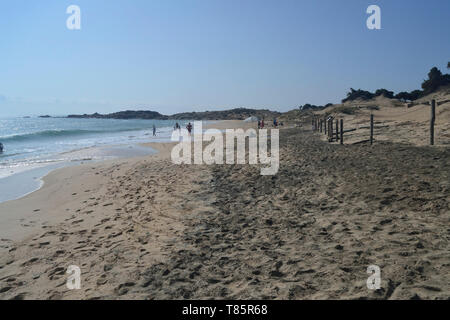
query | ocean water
(37,143)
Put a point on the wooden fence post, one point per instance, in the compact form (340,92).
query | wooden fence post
(371,129)
(328,129)
(337,129)
(432,121)
(342,131)
(331,130)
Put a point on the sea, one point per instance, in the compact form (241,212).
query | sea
(33,146)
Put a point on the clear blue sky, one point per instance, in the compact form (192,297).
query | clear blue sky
(183,55)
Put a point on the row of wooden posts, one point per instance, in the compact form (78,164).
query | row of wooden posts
(326,125)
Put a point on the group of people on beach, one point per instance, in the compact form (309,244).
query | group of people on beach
(176,127)
(275,123)
(188,127)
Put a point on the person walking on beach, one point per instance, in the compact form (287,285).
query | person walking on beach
(259,124)
(189,128)
(1,147)
(262,124)
(154,130)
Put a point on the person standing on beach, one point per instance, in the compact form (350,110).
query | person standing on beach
(1,147)
(259,124)
(262,124)
(189,128)
(154,130)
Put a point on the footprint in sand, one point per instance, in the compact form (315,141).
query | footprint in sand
(77,221)
(43,244)
(29,262)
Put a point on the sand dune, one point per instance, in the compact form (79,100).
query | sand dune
(394,121)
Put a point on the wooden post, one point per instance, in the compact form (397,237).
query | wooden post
(331,130)
(371,129)
(328,129)
(337,129)
(342,131)
(432,121)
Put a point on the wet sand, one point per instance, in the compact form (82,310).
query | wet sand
(28,180)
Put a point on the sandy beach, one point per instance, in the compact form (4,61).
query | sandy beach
(145,228)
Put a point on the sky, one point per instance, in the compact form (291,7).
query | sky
(194,55)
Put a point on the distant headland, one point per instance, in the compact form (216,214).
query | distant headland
(232,114)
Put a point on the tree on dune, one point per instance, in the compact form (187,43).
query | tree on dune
(358,94)
(435,80)
(415,94)
(403,96)
(385,93)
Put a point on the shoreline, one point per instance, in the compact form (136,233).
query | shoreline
(31,180)
(19,184)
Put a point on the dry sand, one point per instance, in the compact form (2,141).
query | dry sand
(145,228)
